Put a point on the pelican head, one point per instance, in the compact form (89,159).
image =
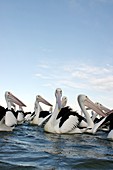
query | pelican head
(41,99)
(64,101)
(12,99)
(83,101)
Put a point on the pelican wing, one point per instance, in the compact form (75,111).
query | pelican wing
(64,111)
(67,124)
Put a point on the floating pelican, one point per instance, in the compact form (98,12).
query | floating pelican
(84,102)
(39,115)
(63,120)
(7,118)
(10,119)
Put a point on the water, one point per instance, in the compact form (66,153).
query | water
(30,148)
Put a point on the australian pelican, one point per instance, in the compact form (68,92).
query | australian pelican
(63,119)
(39,116)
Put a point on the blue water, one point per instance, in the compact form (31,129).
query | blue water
(30,148)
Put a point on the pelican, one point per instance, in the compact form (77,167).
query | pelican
(63,119)
(83,101)
(10,119)
(7,118)
(39,115)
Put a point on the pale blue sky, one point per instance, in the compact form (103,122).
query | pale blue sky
(45,44)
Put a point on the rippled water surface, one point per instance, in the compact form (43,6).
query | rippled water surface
(30,148)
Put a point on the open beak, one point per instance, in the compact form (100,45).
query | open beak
(13,99)
(41,99)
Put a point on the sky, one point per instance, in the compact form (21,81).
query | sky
(49,44)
